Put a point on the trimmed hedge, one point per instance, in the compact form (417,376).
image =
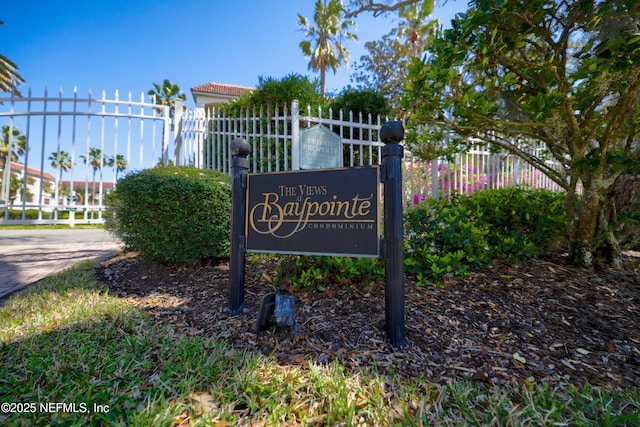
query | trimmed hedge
(449,236)
(173,215)
(32,214)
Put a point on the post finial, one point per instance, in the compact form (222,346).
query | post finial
(392,132)
(240,147)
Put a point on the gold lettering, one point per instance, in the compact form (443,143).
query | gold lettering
(282,220)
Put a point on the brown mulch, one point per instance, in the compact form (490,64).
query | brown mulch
(532,323)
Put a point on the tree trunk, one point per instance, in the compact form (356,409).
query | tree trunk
(592,225)
(582,227)
(6,177)
(627,199)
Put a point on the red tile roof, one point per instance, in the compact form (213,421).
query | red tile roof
(222,89)
(19,167)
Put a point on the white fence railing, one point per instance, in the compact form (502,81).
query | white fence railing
(60,154)
(67,152)
(274,136)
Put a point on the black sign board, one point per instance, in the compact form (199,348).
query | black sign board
(328,212)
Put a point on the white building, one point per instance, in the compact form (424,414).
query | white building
(37,183)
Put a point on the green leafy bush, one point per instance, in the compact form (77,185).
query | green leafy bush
(444,236)
(174,215)
(449,236)
(523,223)
(33,214)
(29,214)
(319,273)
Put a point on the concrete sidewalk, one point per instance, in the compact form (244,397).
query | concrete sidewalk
(27,256)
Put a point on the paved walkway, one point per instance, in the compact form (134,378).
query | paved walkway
(27,256)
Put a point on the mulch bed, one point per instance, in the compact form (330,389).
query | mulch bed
(531,323)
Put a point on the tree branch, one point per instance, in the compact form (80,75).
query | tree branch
(378,8)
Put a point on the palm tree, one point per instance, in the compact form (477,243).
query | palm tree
(9,76)
(415,28)
(12,145)
(96,160)
(166,95)
(60,160)
(16,186)
(324,41)
(119,163)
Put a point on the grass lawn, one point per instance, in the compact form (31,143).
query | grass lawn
(70,354)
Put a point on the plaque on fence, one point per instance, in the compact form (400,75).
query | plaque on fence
(320,148)
(329,212)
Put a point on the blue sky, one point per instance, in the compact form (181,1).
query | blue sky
(128,44)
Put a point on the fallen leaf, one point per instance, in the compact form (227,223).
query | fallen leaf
(519,358)
(266,277)
(205,400)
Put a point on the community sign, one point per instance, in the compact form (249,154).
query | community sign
(316,212)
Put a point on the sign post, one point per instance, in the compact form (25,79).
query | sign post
(391,134)
(322,212)
(240,149)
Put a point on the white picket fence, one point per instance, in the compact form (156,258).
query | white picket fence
(144,135)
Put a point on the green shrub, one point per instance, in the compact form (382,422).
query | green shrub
(29,214)
(449,236)
(444,237)
(523,223)
(32,214)
(174,215)
(319,273)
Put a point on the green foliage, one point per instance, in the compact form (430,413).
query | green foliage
(166,94)
(175,215)
(514,73)
(365,101)
(523,223)
(278,93)
(10,78)
(324,41)
(34,214)
(449,236)
(321,272)
(444,237)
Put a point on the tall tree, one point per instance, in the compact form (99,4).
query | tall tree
(16,186)
(118,163)
(12,145)
(96,160)
(166,94)
(415,28)
(324,43)
(562,72)
(9,75)
(60,160)
(381,7)
(386,65)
